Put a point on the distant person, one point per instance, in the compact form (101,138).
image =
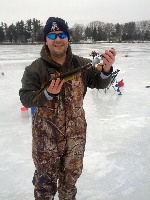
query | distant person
(58,122)
(94,53)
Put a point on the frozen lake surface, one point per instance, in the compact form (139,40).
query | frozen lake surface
(117,154)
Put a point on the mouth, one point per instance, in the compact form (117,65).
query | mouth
(58,46)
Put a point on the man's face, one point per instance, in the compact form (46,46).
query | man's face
(57,44)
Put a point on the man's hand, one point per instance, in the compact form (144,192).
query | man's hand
(108,59)
(55,86)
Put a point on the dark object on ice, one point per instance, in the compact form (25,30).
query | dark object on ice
(148,86)
(114,75)
(114,83)
(2,73)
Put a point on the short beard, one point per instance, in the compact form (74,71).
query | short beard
(59,55)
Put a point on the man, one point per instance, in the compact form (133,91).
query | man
(59,126)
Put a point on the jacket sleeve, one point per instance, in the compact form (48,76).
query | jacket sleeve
(92,76)
(93,79)
(31,85)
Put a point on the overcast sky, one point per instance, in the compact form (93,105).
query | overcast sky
(75,11)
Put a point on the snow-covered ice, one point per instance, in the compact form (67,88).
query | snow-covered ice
(117,154)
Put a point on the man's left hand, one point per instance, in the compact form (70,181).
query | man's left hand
(108,59)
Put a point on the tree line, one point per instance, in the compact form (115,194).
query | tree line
(31,31)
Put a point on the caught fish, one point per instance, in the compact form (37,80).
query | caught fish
(66,76)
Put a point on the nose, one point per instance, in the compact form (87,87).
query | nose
(57,37)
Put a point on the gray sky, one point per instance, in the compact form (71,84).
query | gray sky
(75,11)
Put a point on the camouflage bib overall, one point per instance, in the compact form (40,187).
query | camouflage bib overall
(59,136)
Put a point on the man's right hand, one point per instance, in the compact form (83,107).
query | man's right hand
(55,86)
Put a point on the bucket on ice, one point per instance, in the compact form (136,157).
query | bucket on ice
(24,112)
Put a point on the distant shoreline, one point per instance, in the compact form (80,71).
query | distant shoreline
(100,42)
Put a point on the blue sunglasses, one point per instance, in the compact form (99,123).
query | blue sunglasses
(53,36)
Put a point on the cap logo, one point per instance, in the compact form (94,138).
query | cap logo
(54,27)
